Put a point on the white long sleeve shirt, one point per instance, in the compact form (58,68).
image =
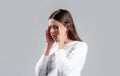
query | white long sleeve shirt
(63,62)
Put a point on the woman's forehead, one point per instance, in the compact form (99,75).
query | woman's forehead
(53,22)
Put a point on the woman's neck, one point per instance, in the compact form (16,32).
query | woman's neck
(67,41)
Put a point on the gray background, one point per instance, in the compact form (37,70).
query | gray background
(22,40)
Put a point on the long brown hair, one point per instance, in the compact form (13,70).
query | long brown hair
(66,19)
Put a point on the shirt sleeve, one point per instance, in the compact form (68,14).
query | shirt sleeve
(76,58)
(41,66)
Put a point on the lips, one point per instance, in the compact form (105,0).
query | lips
(53,35)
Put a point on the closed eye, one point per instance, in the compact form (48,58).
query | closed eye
(55,27)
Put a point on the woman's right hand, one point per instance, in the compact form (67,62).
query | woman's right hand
(49,41)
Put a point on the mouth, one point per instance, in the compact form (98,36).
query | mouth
(53,36)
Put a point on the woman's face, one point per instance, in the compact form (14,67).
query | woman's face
(54,30)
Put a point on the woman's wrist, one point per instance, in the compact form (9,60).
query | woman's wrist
(61,45)
(47,49)
(46,52)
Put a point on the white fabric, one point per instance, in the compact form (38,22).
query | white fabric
(63,62)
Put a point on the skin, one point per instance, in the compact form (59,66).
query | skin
(56,31)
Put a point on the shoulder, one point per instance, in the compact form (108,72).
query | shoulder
(81,45)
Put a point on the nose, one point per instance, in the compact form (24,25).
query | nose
(52,30)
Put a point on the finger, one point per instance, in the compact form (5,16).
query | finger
(63,27)
(60,26)
(49,27)
(48,30)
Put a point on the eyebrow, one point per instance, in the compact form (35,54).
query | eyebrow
(52,25)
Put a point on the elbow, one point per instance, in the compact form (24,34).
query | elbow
(36,70)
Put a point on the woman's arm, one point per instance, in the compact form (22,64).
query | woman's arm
(41,67)
(76,58)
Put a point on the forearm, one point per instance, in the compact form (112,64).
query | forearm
(47,49)
(41,66)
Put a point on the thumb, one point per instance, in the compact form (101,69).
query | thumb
(65,36)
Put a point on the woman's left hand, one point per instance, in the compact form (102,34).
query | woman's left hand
(62,35)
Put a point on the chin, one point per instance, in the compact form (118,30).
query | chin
(56,39)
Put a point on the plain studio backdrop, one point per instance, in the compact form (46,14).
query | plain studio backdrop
(23,24)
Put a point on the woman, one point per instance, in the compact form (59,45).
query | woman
(65,52)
